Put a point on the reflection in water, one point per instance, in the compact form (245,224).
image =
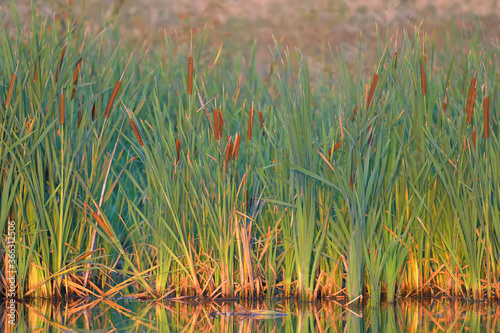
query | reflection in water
(127,315)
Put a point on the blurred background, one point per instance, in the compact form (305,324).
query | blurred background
(314,25)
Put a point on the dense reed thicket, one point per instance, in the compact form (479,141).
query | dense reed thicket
(195,174)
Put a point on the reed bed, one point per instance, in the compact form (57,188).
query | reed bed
(397,199)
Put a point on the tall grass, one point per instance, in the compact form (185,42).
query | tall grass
(141,184)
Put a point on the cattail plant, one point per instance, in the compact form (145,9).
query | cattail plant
(221,124)
(423,79)
(11,86)
(136,132)
(190,75)
(395,64)
(229,151)
(112,98)
(261,120)
(444,104)
(75,77)
(471,100)
(372,90)
(61,110)
(216,125)
(93,111)
(61,62)
(336,146)
(474,138)
(236,146)
(486,110)
(178,149)
(35,72)
(250,124)
(80,113)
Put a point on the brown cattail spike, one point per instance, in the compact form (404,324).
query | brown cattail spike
(61,110)
(190,75)
(61,62)
(444,104)
(75,77)
(250,124)
(471,100)
(216,125)
(423,79)
(136,132)
(372,90)
(229,151)
(80,113)
(261,121)
(178,148)
(486,110)
(112,98)
(35,72)
(11,87)
(93,111)
(395,64)
(236,146)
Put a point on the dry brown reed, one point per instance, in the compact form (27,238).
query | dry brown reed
(76,73)
(236,146)
(190,75)
(136,132)
(61,62)
(178,149)
(372,90)
(471,99)
(423,78)
(250,124)
(486,110)
(11,87)
(61,110)
(216,125)
(112,98)
(93,111)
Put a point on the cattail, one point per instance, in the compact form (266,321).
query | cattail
(486,110)
(229,150)
(423,79)
(80,113)
(216,125)
(444,104)
(61,109)
(337,146)
(474,138)
(395,64)
(11,86)
(93,111)
(354,112)
(221,123)
(178,148)
(471,100)
(236,146)
(112,98)
(190,75)
(261,121)
(35,72)
(250,124)
(75,77)
(136,132)
(372,90)
(61,62)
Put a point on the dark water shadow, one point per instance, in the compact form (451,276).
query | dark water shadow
(128,315)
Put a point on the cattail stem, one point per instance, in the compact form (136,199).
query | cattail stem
(423,79)
(471,100)
(11,87)
(112,98)
(136,132)
(61,110)
(250,124)
(190,75)
(216,125)
(486,110)
(372,90)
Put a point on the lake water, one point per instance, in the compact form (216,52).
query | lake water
(127,315)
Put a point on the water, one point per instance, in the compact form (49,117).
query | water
(127,315)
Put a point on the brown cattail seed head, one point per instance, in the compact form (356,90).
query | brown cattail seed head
(423,79)
(261,121)
(61,62)
(229,150)
(236,146)
(136,132)
(486,110)
(190,75)
(112,98)
(216,125)
(61,110)
(11,87)
(471,100)
(75,77)
(474,138)
(250,124)
(178,148)
(93,111)
(372,90)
